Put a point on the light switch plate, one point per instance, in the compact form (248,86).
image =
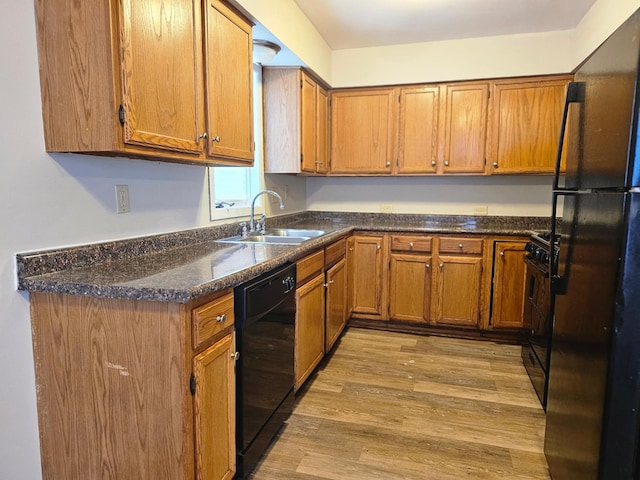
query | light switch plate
(122,199)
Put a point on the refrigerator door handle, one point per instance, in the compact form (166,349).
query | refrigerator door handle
(575,94)
(557,283)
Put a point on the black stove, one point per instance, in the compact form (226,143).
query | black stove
(537,320)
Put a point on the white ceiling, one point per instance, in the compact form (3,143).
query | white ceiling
(368,23)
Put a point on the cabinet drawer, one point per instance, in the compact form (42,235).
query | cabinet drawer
(461,245)
(334,252)
(211,318)
(309,266)
(410,243)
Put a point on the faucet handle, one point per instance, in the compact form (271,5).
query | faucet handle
(244,232)
(263,223)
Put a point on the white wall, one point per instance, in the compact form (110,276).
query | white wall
(508,195)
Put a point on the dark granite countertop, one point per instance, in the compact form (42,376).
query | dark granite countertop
(182,266)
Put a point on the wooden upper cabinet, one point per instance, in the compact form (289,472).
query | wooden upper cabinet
(127,78)
(229,84)
(363,124)
(418,130)
(525,125)
(509,278)
(161,100)
(465,120)
(295,122)
(322,130)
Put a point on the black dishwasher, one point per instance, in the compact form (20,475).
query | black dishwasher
(265,312)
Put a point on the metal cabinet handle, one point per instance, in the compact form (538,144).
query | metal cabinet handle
(433,163)
(446,163)
(330,282)
(351,249)
(502,254)
(410,244)
(460,246)
(377,247)
(235,355)
(204,135)
(441,266)
(221,318)
(216,139)
(495,164)
(427,266)
(388,164)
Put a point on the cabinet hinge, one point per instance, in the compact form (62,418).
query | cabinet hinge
(488,93)
(192,384)
(300,83)
(301,157)
(121,115)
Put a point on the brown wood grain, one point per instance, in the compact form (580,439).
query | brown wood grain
(322,130)
(410,287)
(212,318)
(335,303)
(309,266)
(363,126)
(398,406)
(334,252)
(508,285)
(369,275)
(309,341)
(457,287)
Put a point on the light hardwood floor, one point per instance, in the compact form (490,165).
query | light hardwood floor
(396,406)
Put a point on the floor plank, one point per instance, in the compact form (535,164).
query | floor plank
(402,407)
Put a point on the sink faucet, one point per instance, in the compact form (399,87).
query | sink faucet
(252,227)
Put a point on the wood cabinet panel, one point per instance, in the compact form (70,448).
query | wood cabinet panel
(465,121)
(457,286)
(334,252)
(369,276)
(411,243)
(308,123)
(309,266)
(309,342)
(410,287)
(161,100)
(418,130)
(461,245)
(525,125)
(322,130)
(336,303)
(363,130)
(509,279)
(229,84)
(214,409)
(212,318)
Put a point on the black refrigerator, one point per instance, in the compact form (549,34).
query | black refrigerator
(592,423)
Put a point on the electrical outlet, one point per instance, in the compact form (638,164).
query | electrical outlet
(122,199)
(480,210)
(386,208)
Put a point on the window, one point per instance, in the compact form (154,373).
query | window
(231,189)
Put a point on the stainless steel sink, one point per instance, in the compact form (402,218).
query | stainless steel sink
(278,236)
(293,232)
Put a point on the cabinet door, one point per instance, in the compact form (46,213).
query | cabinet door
(363,130)
(161,74)
(368,276)
(525,125)
(322,130)
(214,411)
(509,277)
(457,290)
(410,287)
(229,84)
(336,303)
(350,272)
(309,330)
(465,120)
(418,130)
(308,124)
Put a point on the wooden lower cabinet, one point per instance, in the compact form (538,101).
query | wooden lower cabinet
(457,284)
(508,284)
(410,287)
(369,270)
(309,343)
(114,382)
(336,303)
(214,411)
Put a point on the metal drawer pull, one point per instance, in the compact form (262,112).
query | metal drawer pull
(216,139)
(410,244)
(495,164)
(235,355)
(221,318)
(330,282)
(446,163)
(460,245)
(427,266)
(441,266)
(502,254)
(204,135)
(433,163)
